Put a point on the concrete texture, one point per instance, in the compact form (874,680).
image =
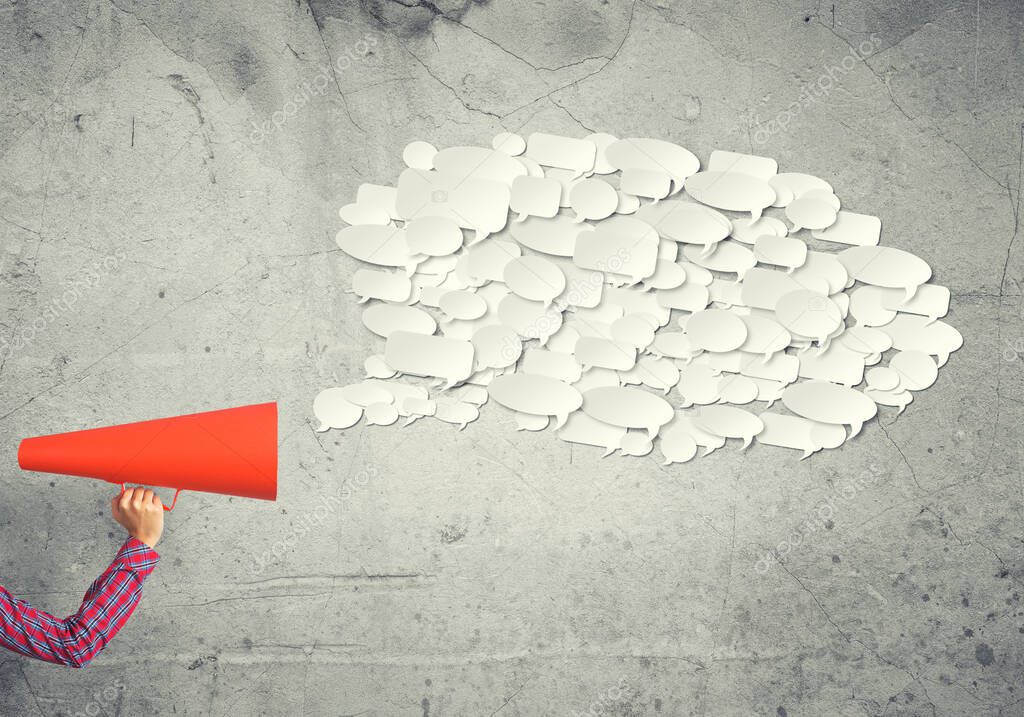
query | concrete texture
(167,223)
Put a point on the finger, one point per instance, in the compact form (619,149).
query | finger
(125,501)
(157,503)
(137,496)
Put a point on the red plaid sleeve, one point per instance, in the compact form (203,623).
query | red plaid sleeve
(75,640)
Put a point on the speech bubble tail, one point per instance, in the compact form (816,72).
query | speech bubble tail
(902,407)
(910,292)
(677,185)
(855,428)
(808,452)
(943,357)
(363,299)
(409,421)
(755,214)
(708,248)
(608,450)
(771,402)
(578,219)
(747,440)
(686,404)
(668,462)
(323,428)
(462,426)
(931,320)
(520,218)
(560,419)
(708,450)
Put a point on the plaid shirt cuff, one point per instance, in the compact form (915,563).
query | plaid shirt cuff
(136,556)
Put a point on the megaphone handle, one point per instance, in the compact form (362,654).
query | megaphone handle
(173,502)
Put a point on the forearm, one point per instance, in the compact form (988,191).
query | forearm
(75,640)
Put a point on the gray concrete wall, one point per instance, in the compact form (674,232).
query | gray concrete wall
(490,572)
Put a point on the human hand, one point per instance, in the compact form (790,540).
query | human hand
(141,513)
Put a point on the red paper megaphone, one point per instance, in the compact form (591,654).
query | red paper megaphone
(232,451)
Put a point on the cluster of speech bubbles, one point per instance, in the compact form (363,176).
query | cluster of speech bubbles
(616,290)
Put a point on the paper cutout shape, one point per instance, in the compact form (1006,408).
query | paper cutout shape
(565,318)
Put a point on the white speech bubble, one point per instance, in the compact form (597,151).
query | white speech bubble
(371,284)
(748,231)
(374,244)
(867,306)
(535,196)
(737,389)
(529,422)
(581,428)
(333,411)
(808,313)
(886,267)
(799,433)
(686,423)
(458,413)
(366,393)
(602,140)
(729,422)
(556,236)
(400,391)
(930,300)
(885,378)
(657,373)
(530,319)
(836,363)
(763,168)
(629,408)
(646,183)
(381,414)
(780,367)
(726,256)
(676,444)
(716,330)
(789,252)
(489,259)
(731,191)
(830,403)
(419,155)
(767,390)
(726,294)
(534,278)
(376,367)
(605,353)
(688,297)
(478,204)
(790,185)
(852,228)
(633,330)
(899,399)
(822,267)
(415,408)
(698,385)
(385,319)
(674,344)
(496,346)
(918,333)
(554,364)
(765,336)
(508,143)
(654,155)
(593,199)
(620,245)
(553,150)
(434,356)
(537,395)
(762,288)
(464,305)
(687,223)
(356,213)
(433,236)
(378,195)
(667,275)
(810,212)
(916,370)
(635,443)
(865,341)
(478,163)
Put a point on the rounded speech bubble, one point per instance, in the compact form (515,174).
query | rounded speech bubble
(716,330)
(731,191)
(593,199)
(462,305)
(629,408)
(655,155)
(916,370)
(534,278)
(381,414)
(808,313)
(333,411)
(537,395)
(496,346)
(385,319)
(676,444)
(887,267)
(433,236)
(829,403)
(729,422)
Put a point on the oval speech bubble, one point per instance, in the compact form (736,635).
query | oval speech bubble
(629,408)
(536,395)
(534,278)
(887,267)
(830,403)
(731,191)
(333,411)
